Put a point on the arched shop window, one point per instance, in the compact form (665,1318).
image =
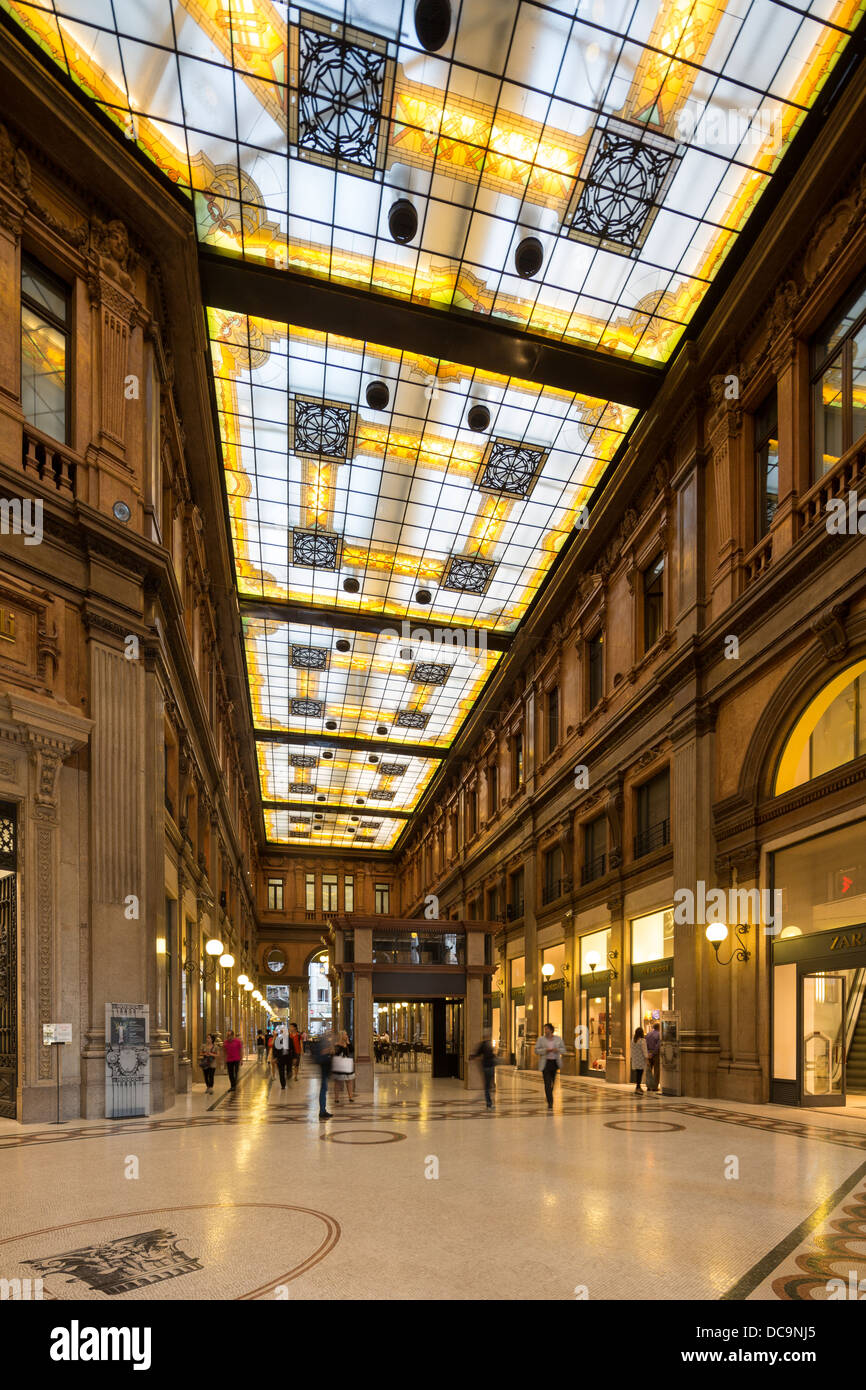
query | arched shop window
(830,732)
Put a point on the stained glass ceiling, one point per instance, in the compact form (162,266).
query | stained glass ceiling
(577,171)
(631,139)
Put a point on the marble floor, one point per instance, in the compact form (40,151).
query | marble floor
(419,1192)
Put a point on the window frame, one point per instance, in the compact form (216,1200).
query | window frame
(551,720)
(594,643)
(843,354)
(37,270)
(653,602)
(273,905)
(763,438)
(310,883)
(382,894)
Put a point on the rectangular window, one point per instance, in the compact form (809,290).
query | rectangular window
(329,892)
(516,761)
(383,897)
(492,788)
(767,461)
(348,892)
(552,719)
(595,666)
(44,350)
(311,892)
(653,814)
(594,849)
(552,875)
(839,383)
(653,602)
(515,895)
(492,905)
(275,895)
(472,813)
(164,947)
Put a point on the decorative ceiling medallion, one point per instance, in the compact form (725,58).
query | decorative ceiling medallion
(309,658)
(624,177)
(321,429)
(467,575)
(381,794)
(411,719)
(316,549)
(429,673)
(307,709)
(302,788)
(342,80)
(303,760)
(392,769)
(510,467)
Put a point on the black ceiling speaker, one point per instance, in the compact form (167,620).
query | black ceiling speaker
(351,586)
(321,798)
(528,257)
(374,758)
(381,728)
(402,220)
(343,645)
(423,596)
(478,417)
(330,723)
(378,395)
(432,23)
(327,754)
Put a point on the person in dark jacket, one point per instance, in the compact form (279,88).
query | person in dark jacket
(283,1051)
(322,1052)
(486,1052)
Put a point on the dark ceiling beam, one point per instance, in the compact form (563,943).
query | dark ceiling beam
(471,637)
(376,743)
(245,287)
(337,808)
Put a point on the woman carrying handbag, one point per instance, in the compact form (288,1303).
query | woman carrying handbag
(343,1068)
(207,1061)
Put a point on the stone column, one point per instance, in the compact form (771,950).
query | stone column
(473,1078)
(363,968)
(726,443)
(530,952)
(617,1070)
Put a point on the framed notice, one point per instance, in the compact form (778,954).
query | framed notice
(56,1033)
(127,1060)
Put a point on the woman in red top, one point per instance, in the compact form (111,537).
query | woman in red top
(233,1051)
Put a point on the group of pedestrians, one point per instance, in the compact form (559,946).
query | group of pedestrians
(550,1049)
(646,1057)
(214,1051)
(286,1048)
(332,1053)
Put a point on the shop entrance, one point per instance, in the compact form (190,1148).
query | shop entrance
(419,1035)
(8,962)
(595,1019)
(822,1038)
(819,1019)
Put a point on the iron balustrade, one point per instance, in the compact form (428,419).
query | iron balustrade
(654,837)
(593,869)
(552,889)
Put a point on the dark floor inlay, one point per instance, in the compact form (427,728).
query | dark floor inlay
(642,1126)
(120,1266)
(379,1136)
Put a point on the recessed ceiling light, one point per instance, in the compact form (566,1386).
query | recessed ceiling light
(342,645)
(528,257)
(374,757)
(432,23)
(423,596)
(402,221)
(381,728)
(330,723)
(478,418)
(351,586)
(359,801)
(321,798)
(378,395)
(327,754)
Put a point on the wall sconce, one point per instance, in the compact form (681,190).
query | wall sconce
(547,970)
(717,933)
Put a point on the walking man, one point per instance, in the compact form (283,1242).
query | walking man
(297,1047)
(282,1051)
(653,1047)
(323,1056)
(550,1048)
(487,1056)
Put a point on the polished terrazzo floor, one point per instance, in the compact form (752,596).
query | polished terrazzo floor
(420,1192)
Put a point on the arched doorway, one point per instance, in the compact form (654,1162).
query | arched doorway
(320,1005)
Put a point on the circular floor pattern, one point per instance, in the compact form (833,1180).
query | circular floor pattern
(143,1263)
(642,1126)
(379,1136)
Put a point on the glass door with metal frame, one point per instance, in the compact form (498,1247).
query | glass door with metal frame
(822,1039)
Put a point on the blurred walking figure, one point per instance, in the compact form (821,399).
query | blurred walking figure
(343,1067)
(282,1051)
(639,1058)
(208,1060)
(322,1052)
(260,1045)
(653,1047)
(486,1052)
(297,1042)
(272,1061)
(234,1051)
(551,1049)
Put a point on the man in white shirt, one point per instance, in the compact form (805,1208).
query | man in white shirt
(550,1048)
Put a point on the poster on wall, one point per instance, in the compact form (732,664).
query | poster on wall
(127,1060)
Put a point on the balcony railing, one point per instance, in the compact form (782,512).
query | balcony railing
(593,869)
(514,911)
(551,889)
(848,474)
(654,837)
(48,460)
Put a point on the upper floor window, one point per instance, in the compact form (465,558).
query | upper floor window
(595,668)
(552,876)
(831,731)
(653,602)
(348,892)
(552,719)
(838,382)
(493,904)
(492,788)
(329,892)
(515,893)
(767,461)
(594,849)
(516,761)
(653,814)
(471,813)
(44,350)
(383,897)
(311,892)
(275,895)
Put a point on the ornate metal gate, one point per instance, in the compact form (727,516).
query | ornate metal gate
(8,960)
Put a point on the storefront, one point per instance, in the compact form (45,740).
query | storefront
(517,972)
(594,1003)
(553,985)
(818,1024)
(652,968)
